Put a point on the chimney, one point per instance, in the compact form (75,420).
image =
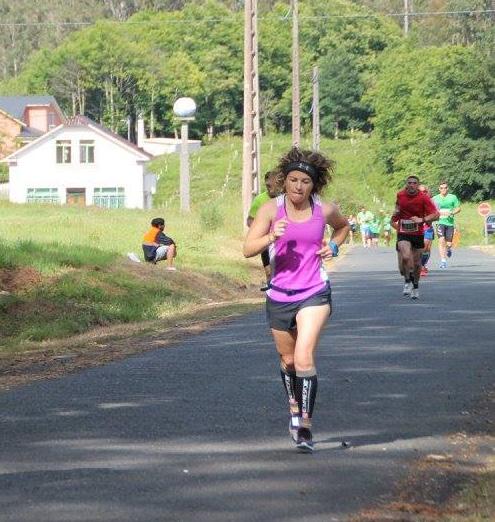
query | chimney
(140,131)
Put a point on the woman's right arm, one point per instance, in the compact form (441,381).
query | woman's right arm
(259,236)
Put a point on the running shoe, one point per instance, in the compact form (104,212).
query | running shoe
(304,442)
(407,289)
(443,265)
(293,427)
(415,293)
(449,252)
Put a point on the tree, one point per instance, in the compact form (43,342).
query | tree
(341,89)
(435,117)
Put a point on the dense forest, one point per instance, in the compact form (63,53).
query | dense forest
(427,97)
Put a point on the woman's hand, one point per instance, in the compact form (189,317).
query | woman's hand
(279,227)
(325,251)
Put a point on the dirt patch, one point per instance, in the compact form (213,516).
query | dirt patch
(443,487)
(448,486)
(18,279)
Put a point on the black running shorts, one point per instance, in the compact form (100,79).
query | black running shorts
(282,316)
(417,242)
(265,257)
(446,231)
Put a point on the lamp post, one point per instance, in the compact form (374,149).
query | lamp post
(184,110)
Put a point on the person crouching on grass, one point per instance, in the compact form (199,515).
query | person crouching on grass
(298,302)
(158,246)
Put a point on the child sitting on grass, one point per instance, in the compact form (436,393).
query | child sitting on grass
(158,246)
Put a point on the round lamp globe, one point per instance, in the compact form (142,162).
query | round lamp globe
(185,108)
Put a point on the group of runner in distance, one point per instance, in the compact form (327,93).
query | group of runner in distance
(287,227)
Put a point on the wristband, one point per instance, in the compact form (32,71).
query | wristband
(334,248)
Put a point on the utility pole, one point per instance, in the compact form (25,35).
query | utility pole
(316,109)
(296,108)
(406,17)
(252,131)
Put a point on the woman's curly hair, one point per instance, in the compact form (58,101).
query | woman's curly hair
(324,167)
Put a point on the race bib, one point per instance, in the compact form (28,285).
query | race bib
(407,226)
(444,212)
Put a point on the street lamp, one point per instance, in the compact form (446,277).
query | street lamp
(184,110)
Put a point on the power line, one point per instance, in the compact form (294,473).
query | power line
(401,15)
(470,12)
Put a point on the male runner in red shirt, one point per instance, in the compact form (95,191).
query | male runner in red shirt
(412,209)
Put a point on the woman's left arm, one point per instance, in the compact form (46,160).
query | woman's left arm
(338,222)
(340,227)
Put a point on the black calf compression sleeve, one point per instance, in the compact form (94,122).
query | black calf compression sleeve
(289,380)
(306,388)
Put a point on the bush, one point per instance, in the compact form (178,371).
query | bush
(4,173)
(211,218)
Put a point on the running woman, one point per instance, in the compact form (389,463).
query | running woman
(298,301)
(412,209)
(428,235)
(448,205)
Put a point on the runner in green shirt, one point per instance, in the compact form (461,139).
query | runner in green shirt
(386,227)
(364,218)
(448,205)
(375,227)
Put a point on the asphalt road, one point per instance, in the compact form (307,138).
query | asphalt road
(198,431)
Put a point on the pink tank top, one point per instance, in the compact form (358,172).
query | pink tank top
(297,271)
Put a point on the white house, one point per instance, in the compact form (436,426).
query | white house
(81,163)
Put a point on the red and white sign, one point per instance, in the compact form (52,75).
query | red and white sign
(484,209)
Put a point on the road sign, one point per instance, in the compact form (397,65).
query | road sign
(484,209)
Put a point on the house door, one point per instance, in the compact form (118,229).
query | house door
(76,197)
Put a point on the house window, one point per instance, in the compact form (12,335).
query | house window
(42,195)
(51,120)
(63,151)
(87,151)
(109,197)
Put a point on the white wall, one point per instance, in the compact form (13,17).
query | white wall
(159,146)
(115,166)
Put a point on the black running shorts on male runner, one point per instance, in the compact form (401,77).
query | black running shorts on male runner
(446,231)
(282,316)
(417,242)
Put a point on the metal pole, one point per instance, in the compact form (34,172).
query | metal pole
(296,115)
(251,134)
(316,109)
(256,100)
(184,167)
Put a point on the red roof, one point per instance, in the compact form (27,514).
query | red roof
(83,121)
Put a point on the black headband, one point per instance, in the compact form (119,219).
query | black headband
(302,166)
